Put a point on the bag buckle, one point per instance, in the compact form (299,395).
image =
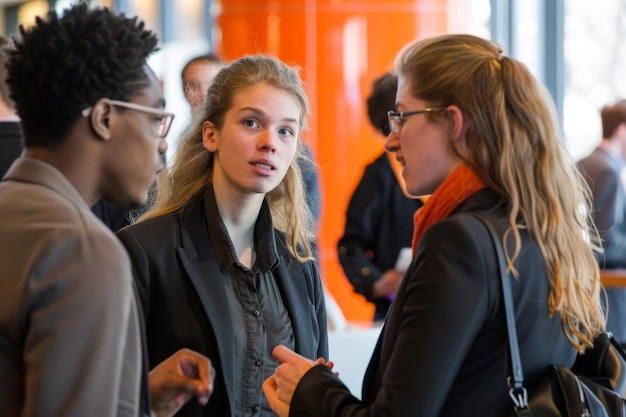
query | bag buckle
(519,397)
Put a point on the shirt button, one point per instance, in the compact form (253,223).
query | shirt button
(256,313)
(258,363)
(256,408)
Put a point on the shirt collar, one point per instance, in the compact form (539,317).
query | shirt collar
(264,240)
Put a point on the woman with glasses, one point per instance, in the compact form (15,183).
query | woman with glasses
(223,260)
(473,129)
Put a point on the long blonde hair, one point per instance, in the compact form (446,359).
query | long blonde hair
(191,170)
(512,142)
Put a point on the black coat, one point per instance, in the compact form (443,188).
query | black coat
(173,263)
(379,222)
(443,347)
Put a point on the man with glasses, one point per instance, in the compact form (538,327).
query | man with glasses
(197,75)
(94,127)
(162,120)
(114,216)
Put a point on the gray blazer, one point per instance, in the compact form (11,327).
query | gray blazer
(69,330)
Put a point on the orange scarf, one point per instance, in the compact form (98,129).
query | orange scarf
(456,188)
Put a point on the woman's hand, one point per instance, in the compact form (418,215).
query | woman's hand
(279,388)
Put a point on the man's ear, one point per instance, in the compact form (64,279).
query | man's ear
(620,130)
(209,136)
(100,118)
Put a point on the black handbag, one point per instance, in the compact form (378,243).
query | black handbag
(593,387)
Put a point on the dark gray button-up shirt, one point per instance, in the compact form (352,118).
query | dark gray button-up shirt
(260,318)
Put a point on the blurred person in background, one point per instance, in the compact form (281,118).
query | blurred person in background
(197,75)
(10,130)
(603,170)
(379,219)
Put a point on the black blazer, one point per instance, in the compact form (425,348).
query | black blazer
(443,347)
(185,306)
(379,223)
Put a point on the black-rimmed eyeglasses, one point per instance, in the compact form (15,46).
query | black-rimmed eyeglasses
(164,119)
(397,118)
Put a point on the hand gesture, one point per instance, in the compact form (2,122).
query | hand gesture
(388,283)
(182,376)
(279,388)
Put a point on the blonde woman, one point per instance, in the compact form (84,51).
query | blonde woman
(223,262)
(477,131)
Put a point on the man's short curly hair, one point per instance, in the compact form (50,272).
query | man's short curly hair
(381,100)
(63,64)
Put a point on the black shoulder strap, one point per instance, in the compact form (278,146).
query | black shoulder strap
(516,379)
